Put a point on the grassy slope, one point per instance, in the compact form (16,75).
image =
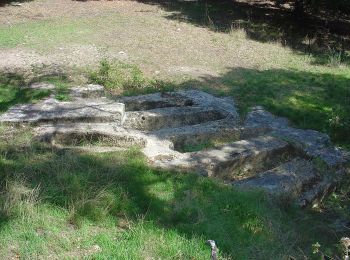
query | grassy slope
(69,204)
(129,211)
(255,73)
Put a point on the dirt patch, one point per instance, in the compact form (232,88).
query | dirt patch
(79,34)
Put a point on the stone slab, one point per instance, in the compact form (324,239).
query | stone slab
(289,178)
(87,91)
(153,101)
(105,134)
(156,119)
(52,110)
(230,161)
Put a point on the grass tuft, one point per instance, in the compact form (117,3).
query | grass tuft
(126,79)
(18,200)
(118,76)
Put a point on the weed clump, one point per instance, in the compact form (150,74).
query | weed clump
(127,79)
(117,75)
(18,200)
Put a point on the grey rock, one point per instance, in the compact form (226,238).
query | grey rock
(153,101)
(305,138)
(259,117)
(290,178)
(316,192)
(313,143)
(231,161)
(334,157)
(104,134)
(200,98)
(50,109)
(264,152)
(170,117)
(87,91)
(223,130)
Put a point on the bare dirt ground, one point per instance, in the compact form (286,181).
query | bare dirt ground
(72,34)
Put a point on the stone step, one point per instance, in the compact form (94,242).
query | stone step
(316,192)
(52,110)
(213,132)
(90,134)
(291,179)
(156,119)
(153,101)
(232,161)
(90,149)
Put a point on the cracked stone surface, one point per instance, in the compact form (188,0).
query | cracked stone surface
(52,110)
(262,152)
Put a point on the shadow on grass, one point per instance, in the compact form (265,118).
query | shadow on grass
(323,34)
(318,101)
(120,185)
(14,89)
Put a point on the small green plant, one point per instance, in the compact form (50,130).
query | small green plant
(118,76)
(334,57)
(97,206)
(13,90)
(62,85)
(18,200)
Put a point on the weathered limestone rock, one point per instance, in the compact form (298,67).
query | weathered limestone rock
(87,91)
(103,134)
(231,161)
(224,130)
(52,110)
(263,152)
(290,177)
(153,101)
(313,143)
(170,117)
(260,117)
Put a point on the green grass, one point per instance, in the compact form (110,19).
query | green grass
(62,85)
(313,100)
(13,91)
(74,205)
(118,76)
(319,101)
(50,32)
(121,78)
(113,206)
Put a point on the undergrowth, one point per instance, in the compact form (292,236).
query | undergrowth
(111,205)
(13,91)
(126,79)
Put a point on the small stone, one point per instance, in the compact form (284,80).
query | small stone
(96,248)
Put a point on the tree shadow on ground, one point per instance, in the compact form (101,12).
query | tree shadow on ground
(319,101)
(243,224)
(14,89)
(265,21)
(92,187)
(9,2)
